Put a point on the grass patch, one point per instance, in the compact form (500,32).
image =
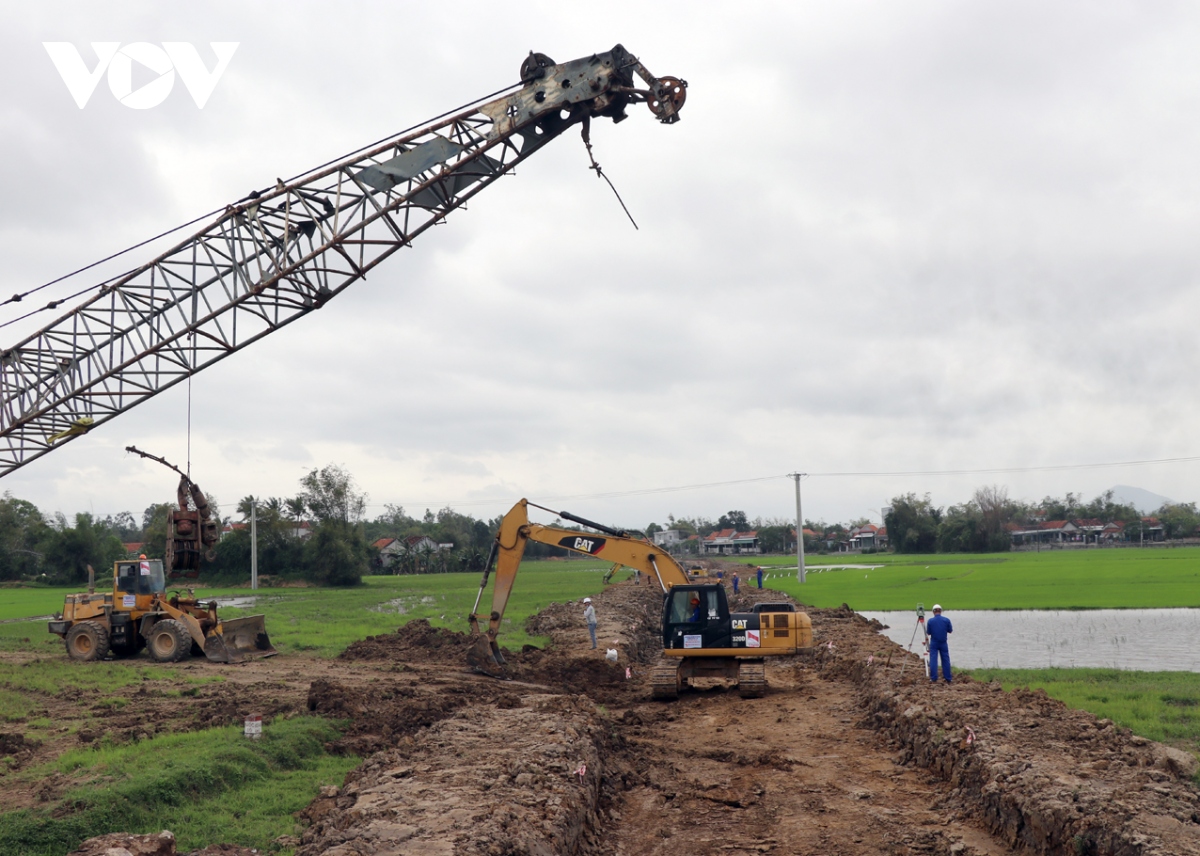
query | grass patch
(1162,706)
(57,674)
(324,622)
(208,786)
(1058,579)
(15,706)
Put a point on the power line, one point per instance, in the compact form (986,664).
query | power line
(1047,468)
(830,474)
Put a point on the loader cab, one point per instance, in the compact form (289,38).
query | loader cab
(696,616)
(141,577)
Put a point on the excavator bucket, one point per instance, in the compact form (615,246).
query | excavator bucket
(484,656)
(236,639)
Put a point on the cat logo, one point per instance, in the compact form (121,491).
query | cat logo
(591,546)
(739,624)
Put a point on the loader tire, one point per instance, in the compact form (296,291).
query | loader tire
(169,641)
(87,641)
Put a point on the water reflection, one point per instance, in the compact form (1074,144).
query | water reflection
(1144,639)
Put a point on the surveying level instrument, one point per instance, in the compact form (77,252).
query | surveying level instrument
(924,633)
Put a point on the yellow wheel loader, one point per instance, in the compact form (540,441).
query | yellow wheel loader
(701,637)
(139,613)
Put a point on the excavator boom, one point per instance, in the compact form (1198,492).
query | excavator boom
(516,531)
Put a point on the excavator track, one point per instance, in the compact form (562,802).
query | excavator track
(752,680)
(665,681)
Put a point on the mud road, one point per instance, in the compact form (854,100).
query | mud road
(850,752)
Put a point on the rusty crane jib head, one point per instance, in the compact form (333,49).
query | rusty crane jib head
(610,79)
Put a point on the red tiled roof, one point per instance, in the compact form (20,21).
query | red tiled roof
(382,542)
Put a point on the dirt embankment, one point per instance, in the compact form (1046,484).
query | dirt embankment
(850,752)
(842,756)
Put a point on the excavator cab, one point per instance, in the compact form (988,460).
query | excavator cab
(696,616)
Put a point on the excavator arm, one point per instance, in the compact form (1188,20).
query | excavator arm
(285,250)
(516,531)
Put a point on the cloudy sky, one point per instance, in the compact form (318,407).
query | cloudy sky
(933,238)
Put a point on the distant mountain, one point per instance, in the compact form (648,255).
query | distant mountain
(1141,499)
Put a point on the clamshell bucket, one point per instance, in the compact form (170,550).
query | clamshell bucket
(236,639)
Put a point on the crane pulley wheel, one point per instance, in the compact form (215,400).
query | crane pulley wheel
(668,91)
(534,67)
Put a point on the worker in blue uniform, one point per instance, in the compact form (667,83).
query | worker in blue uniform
(939,627)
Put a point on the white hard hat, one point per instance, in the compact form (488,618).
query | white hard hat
(589,600)
(937,607)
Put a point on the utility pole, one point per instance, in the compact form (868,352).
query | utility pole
(799,531)
(254,546)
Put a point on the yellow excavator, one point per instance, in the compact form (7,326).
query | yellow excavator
(701,637)
(140,613)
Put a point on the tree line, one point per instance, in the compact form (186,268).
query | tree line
(982,524)
(321,535)
(50,548)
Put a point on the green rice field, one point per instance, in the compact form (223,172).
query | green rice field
(1058,579)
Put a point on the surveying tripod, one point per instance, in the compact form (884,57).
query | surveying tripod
(924,633)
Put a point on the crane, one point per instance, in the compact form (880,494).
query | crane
(284,251)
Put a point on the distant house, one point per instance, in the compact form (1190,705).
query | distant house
(1151,529)
(133,549)
(864,537)
(669,537)
(389,549)
(1089,529)
(1047,532)
(230,528)
(730,542)
(421,544)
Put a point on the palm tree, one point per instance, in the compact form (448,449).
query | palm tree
(295,508)
(245,504)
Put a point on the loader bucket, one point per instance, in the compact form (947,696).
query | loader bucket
(484,656)
(236,639)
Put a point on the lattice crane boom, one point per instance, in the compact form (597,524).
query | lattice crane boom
(280,253)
